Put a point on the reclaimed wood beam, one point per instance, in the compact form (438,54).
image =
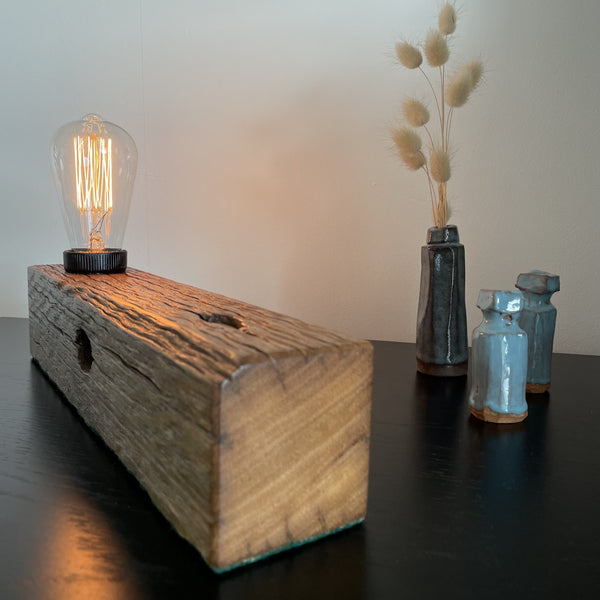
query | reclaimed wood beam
(249,429)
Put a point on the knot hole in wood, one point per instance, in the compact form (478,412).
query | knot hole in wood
(84,350)
(223,319)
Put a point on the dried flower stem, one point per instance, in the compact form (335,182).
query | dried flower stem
(463,81)
(442,93)
(431,192)
(449,124)
(439,200)
(433,91)
(429,135)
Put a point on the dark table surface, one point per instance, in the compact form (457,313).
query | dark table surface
(457,508)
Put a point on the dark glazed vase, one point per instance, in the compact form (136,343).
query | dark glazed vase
(538,319)
(442,346)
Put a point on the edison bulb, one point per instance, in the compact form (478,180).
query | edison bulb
(94,163)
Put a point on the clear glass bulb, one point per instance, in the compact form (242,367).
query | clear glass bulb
(94,163)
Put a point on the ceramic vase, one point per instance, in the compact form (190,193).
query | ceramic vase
(442,342)
(538,320)
(499,359)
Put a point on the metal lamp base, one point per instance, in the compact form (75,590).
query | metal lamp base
(81,260)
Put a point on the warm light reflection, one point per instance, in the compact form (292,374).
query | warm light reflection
(93,183)
(82,557)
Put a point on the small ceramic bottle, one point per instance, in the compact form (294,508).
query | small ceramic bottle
(499,359)
(538,319)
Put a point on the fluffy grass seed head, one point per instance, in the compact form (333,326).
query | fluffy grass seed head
(410,56)
(406,139)
(459,88)
(447,19)
(475,69)
(415,112)
(439,164)
(463,82)
(413,161)
(436,48)
(408,144)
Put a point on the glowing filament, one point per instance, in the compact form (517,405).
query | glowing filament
(93,183)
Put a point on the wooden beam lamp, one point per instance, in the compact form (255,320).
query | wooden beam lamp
(248,429)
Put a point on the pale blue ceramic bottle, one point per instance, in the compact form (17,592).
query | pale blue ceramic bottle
(499,359)
(538,320)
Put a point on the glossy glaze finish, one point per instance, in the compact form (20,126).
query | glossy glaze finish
(538,320)
(441,319)
(499,362)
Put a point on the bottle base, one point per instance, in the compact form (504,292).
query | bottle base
(491,416)
(537,388)
(457,370)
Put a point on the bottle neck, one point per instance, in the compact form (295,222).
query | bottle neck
(497,319)
(537,300)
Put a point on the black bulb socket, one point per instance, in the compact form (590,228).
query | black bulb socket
(82,260)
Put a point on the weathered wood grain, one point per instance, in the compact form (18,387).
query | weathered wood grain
(248,429)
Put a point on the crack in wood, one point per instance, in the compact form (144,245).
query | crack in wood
(128,365)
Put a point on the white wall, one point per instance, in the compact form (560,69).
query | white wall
(266,172)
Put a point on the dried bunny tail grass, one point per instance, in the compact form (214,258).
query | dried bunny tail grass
(463,82)
(415,112)
(475,69)
(409,55)
(436,48)
(447,19)
(408,144)
(406,140)
(459,88)
(439,165)
(414,161)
